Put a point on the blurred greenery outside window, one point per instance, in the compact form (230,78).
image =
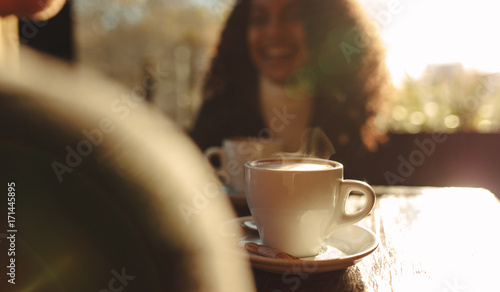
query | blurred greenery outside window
(442,55)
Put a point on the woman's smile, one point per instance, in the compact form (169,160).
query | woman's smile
(277,38)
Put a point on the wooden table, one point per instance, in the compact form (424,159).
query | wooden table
(431,239)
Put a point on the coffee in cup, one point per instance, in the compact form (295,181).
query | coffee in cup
(297,203)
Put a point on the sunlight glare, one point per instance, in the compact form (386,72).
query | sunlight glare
(440,32)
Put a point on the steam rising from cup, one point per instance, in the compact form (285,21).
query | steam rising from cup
(315,144)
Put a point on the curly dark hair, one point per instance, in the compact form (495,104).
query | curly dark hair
(345,68)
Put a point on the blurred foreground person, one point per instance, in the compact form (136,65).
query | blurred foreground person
(98,197)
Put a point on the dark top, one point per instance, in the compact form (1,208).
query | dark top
(225,117)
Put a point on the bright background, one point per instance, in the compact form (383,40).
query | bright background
(426,32)
(442,55)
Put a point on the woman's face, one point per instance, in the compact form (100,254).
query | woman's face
(276,38)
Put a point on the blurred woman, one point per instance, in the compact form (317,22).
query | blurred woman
(285,66)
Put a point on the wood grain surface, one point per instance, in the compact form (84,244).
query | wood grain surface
(431,239)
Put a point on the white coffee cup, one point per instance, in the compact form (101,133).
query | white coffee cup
(297,203)
(235,152)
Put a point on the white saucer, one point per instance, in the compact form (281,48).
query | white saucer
(346,246)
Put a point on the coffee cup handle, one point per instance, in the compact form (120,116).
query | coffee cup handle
(217,151)
(347,186)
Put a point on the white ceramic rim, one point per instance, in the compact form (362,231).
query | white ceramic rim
(253,164)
